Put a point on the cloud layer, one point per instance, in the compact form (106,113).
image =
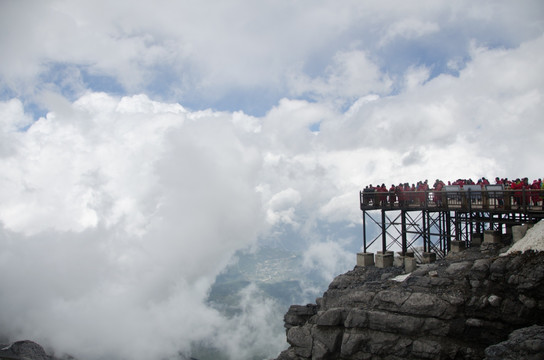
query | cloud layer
(217,55)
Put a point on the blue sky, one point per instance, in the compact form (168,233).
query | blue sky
(143,143)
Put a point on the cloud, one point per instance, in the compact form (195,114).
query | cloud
(123,209)
(204,53)
(12,123)
(256,331)
(329,258)
(352,75)
(282,207)
(409,29)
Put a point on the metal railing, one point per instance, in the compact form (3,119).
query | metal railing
(470,197)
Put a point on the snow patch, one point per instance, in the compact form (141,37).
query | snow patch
(401,278)
(533,240)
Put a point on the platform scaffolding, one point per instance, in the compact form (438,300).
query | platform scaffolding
(429,221)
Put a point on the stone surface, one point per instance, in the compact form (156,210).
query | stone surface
(526,343)
(299,314)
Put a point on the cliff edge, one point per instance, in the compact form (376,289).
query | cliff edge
(463,307)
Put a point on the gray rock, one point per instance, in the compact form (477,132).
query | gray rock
(301,340)
(24,350)
(298,314)
(426,349)
(331,317)
(494,300)
(526,343)
(458,267)
(327,339)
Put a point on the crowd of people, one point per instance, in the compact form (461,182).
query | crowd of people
(523,191)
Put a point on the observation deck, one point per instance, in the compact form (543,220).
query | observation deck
(430,221)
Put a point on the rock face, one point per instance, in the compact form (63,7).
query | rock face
(451,309)
(526,343)
(23,350)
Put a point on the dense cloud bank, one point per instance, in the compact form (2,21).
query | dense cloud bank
(125,190)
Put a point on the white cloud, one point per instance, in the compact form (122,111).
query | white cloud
(329,258)
(281,207)
(206,51)
(409,29)
(12,123)
(256,331)
(125,209)
(416,77)
(351,75)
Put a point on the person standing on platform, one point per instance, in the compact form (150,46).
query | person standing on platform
(392,195)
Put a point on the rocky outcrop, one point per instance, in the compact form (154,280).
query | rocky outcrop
(526,344)
(23,350)
(451,309)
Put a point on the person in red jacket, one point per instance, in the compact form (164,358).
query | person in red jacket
(542,193)
(382,197)
(392,195)
(526,192)
(517,187)
(535,192)
(422,187)
(437,196)
(401,195)
(500,199)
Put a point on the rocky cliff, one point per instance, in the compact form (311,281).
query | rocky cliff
(452,309)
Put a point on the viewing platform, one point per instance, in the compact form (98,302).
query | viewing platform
(425,225)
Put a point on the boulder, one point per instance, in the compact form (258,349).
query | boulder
(24,350)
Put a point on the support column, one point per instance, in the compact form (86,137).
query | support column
(428,257)
(364,231)
(404,239)
(425,237)
(384,233)
(492,237)
(458,246)
(448,226)
(410,263)
(384,259)
(365,259)
(476,240)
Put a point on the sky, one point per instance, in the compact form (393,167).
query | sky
(143,143)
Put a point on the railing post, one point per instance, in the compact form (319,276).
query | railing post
(524,200)
(469,200)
